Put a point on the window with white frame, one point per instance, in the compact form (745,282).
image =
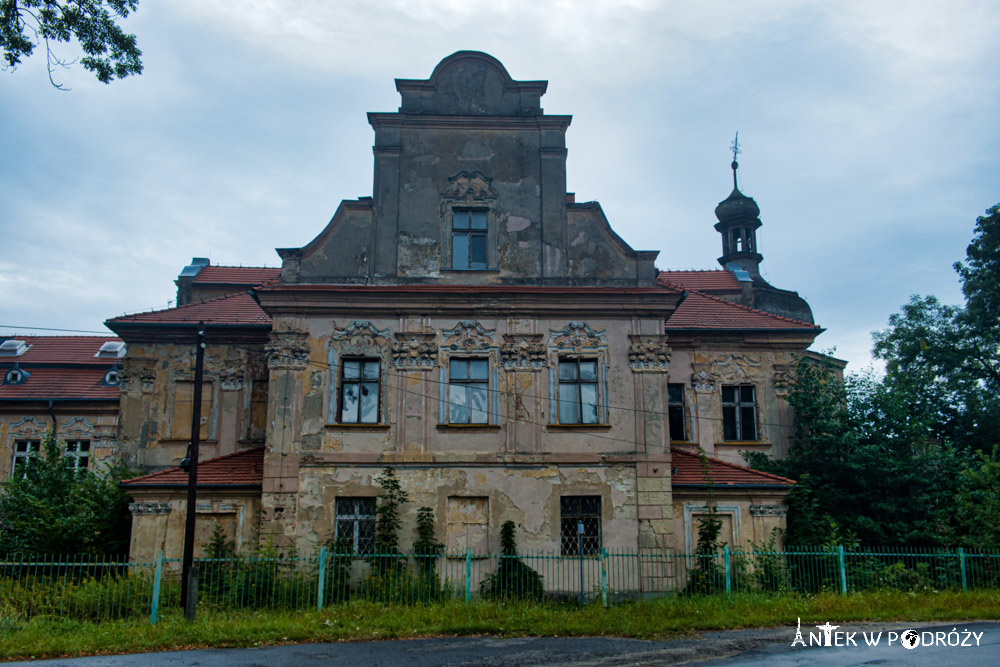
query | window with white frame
(77,454)
(24,451)
(359,390)
(739,412)
(578,394)
(355,523)
(469,248)
(468,391)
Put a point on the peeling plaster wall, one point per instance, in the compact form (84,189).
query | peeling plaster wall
(149,436)
(523,460)
(706,369)
(158,521)
(528,496)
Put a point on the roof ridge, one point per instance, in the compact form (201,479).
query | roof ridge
(746,308)
(159,473)
(734,465)
(234,266)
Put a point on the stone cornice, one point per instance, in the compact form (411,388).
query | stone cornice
(383,119)
(466,302)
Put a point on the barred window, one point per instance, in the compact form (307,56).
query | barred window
(739,412)
(576,513)
(355,524)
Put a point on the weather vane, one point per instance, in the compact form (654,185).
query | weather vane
(735,148)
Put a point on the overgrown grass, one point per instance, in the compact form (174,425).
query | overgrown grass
(653,619)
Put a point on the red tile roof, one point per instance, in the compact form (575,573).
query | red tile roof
(716,280)
(237,275)
(233,309)
(688,471)
(239,469)
(706,312)
(60,350)
(62,384)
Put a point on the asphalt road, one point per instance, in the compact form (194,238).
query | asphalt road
(770,647)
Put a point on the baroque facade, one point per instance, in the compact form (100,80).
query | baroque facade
(492,340)
(64,386)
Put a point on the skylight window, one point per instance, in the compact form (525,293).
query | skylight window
(113,349)
(13,348)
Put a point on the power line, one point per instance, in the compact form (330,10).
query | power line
(14,326)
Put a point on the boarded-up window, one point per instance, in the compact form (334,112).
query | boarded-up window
(258,410)
(204,529)
(727,533)
(468,525)
(183,402)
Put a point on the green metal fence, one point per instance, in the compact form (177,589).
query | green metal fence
(86,588)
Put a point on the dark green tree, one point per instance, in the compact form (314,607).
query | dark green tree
(387,522)
(109,52)
(869,470)
(426,548)
(513,579)
(53,509)
(953,352)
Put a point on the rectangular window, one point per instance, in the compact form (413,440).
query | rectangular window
(577,391)
(24,450)
(468,239)
(739,412)
(468,382)
(675,412)
(77,454)
(580,522)
(355,523)
(468,525)
(359,391)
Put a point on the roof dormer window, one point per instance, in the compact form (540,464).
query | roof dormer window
(13,348)
(16,375)
(113,349)
(112,378)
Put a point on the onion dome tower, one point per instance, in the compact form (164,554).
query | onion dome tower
(739,218)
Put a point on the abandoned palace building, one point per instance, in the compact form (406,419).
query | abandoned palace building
(488,337)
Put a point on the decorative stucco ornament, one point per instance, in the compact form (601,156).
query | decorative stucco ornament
(578,335)
(522,353)
(288,350)
(649,354)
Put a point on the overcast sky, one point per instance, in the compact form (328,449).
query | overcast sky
(870,135)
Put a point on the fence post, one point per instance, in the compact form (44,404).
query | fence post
(321,585)
(604,576)
(961,563)
(843,570)
(727,565)
(154,608)
(468,575)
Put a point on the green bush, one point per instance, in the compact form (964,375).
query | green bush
(118,596)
